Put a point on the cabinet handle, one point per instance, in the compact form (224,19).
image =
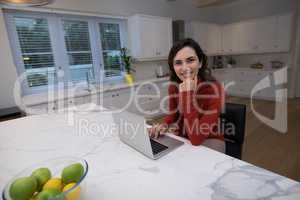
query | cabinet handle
(117,95)
(113,95)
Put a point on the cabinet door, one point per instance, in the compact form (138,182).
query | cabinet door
(199,34)
(37,109)
(146,29)
(248,37)
(284,30)
(266,34)
(214,39)
(162,37)
(150,37)
(230,38)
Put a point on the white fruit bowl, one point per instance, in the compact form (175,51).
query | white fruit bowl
(56,167)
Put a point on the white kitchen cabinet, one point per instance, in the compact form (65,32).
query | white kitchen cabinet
(117,98)
(162,36)
(147,99)
(271,34)
(240,82)
(248,42)
(44,108)
(208,36)
(150,37)
(37,109)
(283,32)
(230,39)
(255,36)
(266,34)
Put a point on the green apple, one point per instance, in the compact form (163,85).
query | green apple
(49,194)
(42,175)
(23,188)
(72,173)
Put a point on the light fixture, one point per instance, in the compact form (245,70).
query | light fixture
(205,3)
(26,2)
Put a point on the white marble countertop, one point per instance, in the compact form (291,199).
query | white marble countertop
(116,171)
(41,98)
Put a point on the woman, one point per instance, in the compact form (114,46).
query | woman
(195,98)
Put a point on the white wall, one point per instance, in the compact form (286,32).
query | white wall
(248,9)
(8,72)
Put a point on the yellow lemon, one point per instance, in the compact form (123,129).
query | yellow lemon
(54,183)
(74,194)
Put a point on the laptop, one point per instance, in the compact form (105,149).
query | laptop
(133,132)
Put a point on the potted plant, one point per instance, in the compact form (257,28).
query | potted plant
(127,60)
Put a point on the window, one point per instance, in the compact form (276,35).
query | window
(83,47)
(111,45)
(77,40)
(36,50)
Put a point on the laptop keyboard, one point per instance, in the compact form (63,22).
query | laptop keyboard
(157,147)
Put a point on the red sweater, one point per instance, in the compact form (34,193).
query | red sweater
(196,112)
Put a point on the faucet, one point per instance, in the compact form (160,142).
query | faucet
(88,81)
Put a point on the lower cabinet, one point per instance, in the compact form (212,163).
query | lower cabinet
(246,82)
(146,99)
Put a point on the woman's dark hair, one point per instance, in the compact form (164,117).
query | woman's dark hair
(204,72)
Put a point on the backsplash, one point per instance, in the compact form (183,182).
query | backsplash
(146,69)
(248,59)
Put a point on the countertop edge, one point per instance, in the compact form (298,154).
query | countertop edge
(41,98)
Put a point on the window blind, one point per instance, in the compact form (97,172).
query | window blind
(77,41)
(36,50)
(111,45)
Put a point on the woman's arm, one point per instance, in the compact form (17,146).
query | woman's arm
(173,105)
(199,121)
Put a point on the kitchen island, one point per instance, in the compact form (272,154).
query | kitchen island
(117,171)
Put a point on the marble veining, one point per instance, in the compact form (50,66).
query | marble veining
(119,172)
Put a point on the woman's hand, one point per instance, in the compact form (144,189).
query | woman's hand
(157,130)
(174,128)
(188,85)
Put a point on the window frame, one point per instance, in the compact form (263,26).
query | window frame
(59,50)
(123,36)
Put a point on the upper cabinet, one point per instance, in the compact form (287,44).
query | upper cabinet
(208,36)
(230,39)
(258,36)
(150,37)
(266,35)
(283,32)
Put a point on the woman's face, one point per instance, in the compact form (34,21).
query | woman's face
(186,64)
